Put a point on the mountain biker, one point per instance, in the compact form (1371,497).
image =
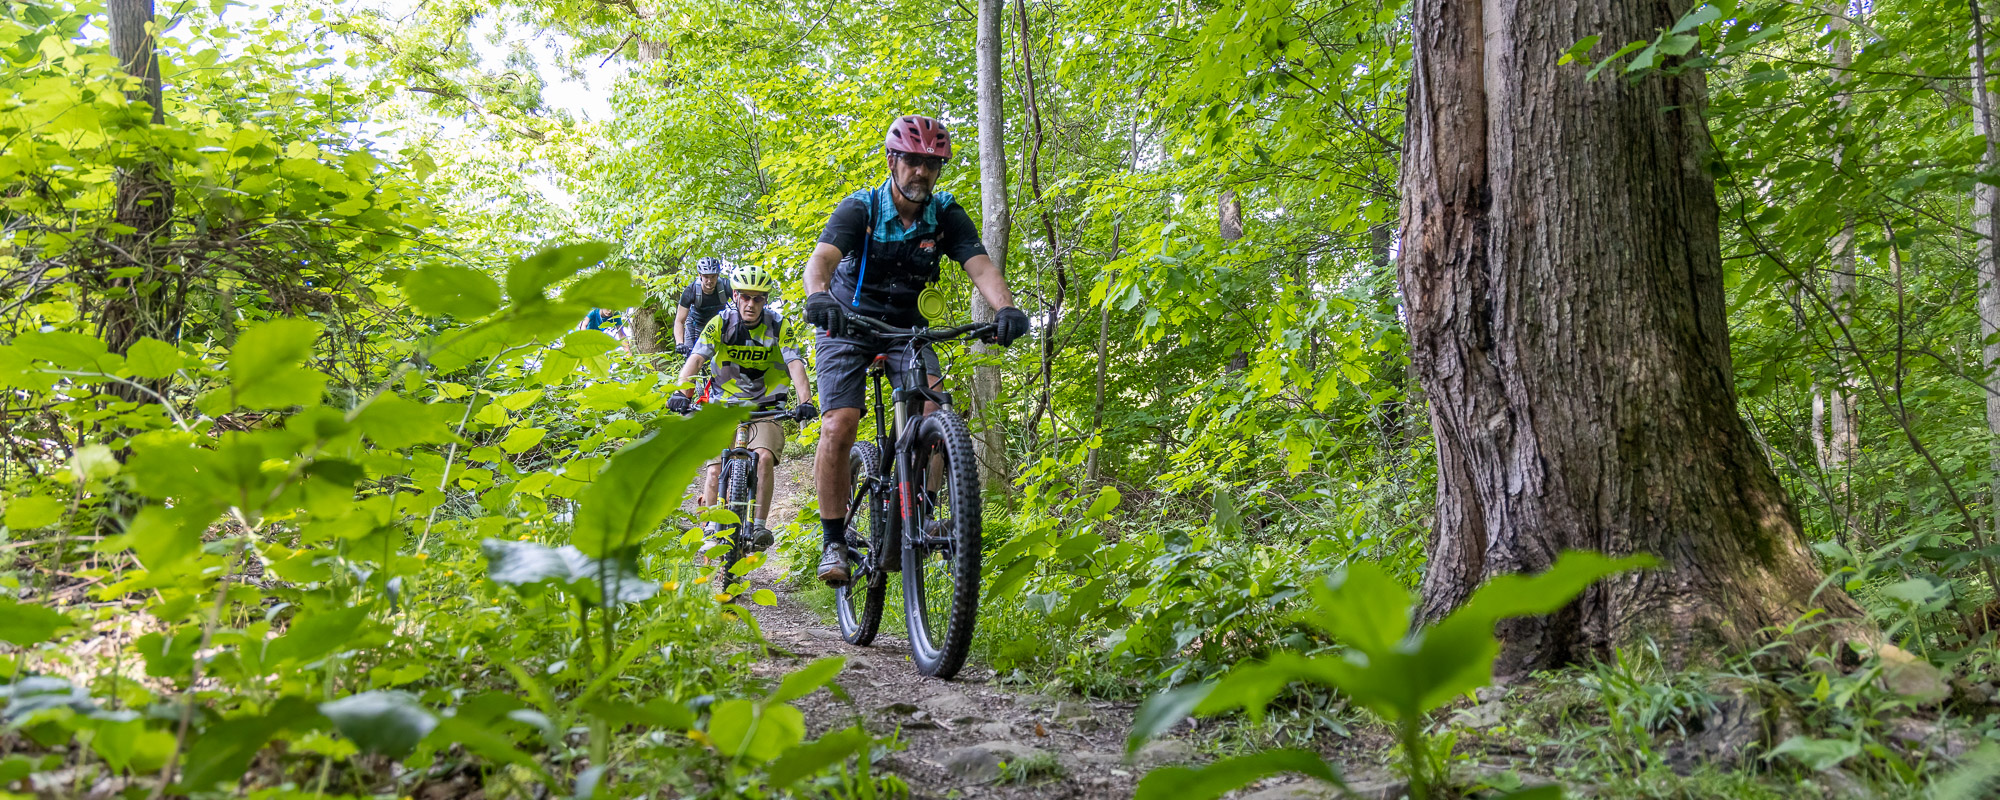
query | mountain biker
(699,301)
(746,342)
(609,320)
(879,251)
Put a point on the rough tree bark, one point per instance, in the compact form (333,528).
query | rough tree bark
(144,201)
(1561,268)
(996,227)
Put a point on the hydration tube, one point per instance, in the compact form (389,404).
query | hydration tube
(862,276)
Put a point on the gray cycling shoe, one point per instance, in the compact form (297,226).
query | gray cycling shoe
(761,538)
(833,563)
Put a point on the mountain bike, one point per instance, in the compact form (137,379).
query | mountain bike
(916,509)
(736,487)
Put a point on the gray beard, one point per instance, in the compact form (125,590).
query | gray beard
(915,193)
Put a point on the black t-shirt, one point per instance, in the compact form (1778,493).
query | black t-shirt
(706,304)
(701,306)
(901,261)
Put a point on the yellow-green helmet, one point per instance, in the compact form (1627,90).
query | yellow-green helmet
(752,279)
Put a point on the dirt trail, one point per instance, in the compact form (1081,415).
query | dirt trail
(957,733)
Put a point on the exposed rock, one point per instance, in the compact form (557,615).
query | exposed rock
(981,762)
(1075,715)
(994,730)
(1485,715)
(1927,735)
(957,708)
(1724,735)
(1316,790)
(823,633)
(1162,752)
(1912,677)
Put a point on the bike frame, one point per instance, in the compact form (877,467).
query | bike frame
(895,439)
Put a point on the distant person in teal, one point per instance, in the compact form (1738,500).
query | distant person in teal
(608,320)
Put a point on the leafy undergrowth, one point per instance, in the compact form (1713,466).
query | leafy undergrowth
(465,572)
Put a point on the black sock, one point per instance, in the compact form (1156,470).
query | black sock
(833,531)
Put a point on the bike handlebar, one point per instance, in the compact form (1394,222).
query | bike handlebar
(983,330)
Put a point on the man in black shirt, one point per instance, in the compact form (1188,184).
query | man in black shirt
(880,250)
(699,301)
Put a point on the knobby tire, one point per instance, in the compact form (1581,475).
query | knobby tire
(858,603)
(942,585)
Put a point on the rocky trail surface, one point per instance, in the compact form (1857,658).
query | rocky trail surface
(968,737)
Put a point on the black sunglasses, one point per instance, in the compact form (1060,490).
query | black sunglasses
(933,163)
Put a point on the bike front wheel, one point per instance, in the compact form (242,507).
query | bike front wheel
(739,496)
(941,543)
(858,602)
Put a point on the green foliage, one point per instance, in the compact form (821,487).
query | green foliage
(1397,668)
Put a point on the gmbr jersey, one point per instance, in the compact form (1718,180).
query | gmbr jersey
(742,357)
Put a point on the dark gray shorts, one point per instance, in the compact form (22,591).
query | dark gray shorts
(843,368)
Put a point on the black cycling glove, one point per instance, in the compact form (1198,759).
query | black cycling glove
(825,313)
(680,403)
(1009,324)
(805,412)
(684,348)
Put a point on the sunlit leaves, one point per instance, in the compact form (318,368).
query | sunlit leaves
(265,367)
(459,291)
(645,480)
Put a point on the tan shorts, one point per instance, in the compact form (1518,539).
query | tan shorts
(764,435)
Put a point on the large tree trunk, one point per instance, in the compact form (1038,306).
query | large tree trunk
(144,202)
(1562,272)
(996,226)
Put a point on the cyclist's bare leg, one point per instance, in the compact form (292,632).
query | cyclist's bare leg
(709,479)
(836,435)
(766,467)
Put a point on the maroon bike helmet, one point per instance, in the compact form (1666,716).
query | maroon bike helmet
(919,135)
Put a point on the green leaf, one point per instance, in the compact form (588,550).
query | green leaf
(607,288)
(152,358)
(804,760)
(1977,772)
(1547,791)
(1363,607)
(396,423)
(483,741)
(1697,18)
(655,714)
(162,537)
(223,751)
(754,731)
(29,624)
(264,369)
(529,277)
(764,597)
(1818,754)
(313,636)
(27,512)
(1161,712)
(64,349)
(1217,779)
(1578,50)
(521,440)
(461,292)
(386,722)
(804,680)
(516,563)
(587,343)
(644,480)
(1107,501)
